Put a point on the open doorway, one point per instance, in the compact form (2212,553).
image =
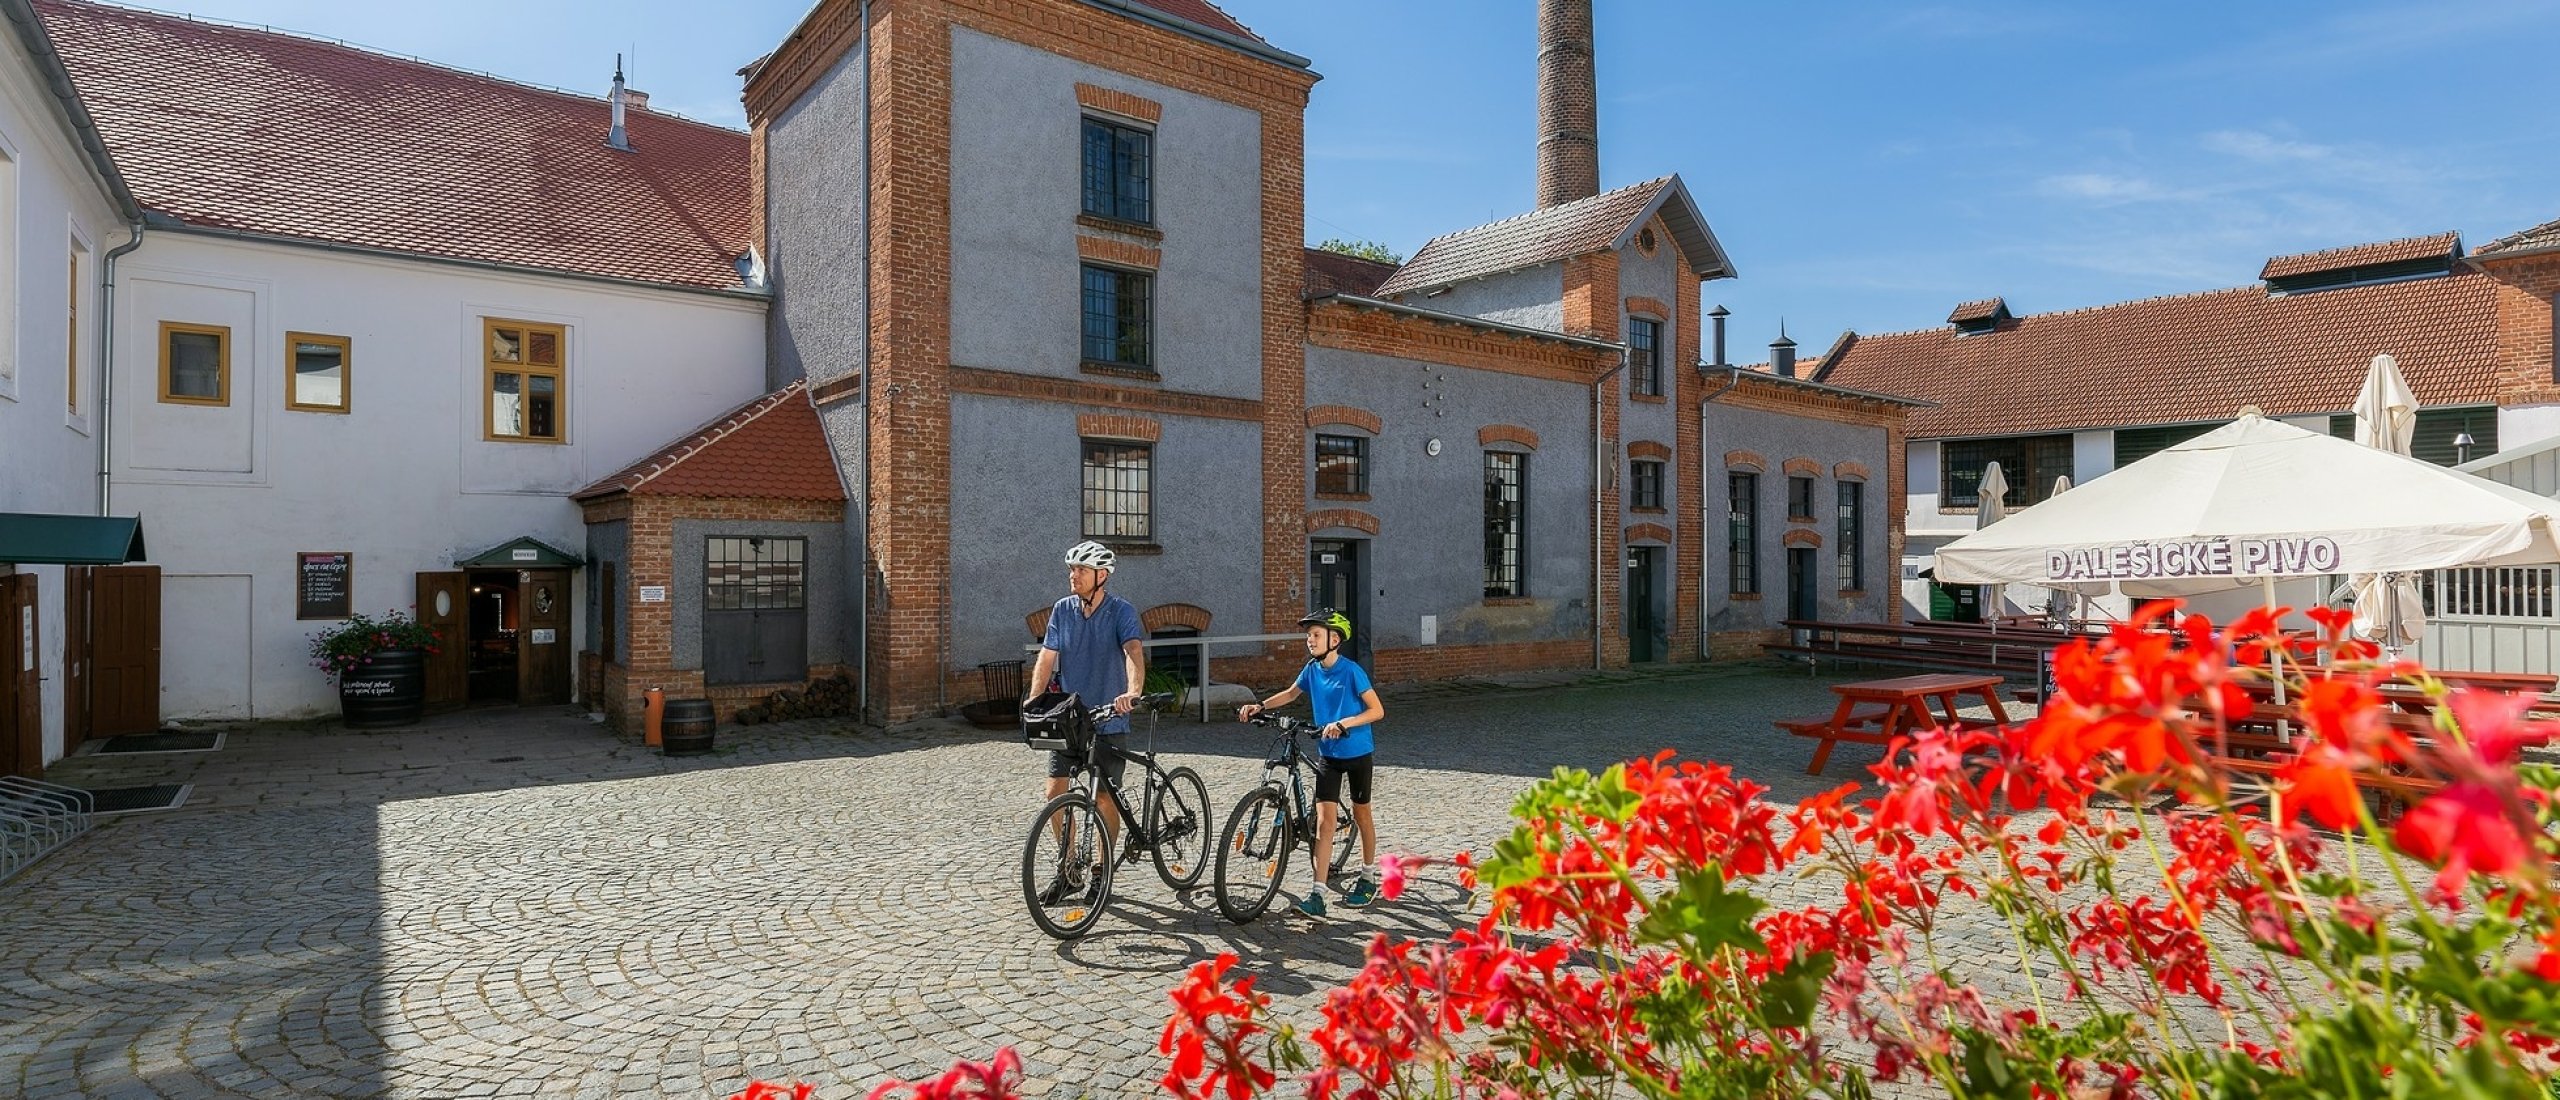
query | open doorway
(490,630)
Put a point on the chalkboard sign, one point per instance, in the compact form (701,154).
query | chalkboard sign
(324,583)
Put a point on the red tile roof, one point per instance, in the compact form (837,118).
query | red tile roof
(2190,358)
(2546,235)
(771,447)
(1204,13)
(269,133)
(1333,272)
(1980,309)
(1560,232)
(2383,252)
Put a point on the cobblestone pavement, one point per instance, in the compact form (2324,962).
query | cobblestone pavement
(511,904)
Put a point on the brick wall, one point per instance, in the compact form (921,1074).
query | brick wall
(2525,367)
(909,519)
(650,628)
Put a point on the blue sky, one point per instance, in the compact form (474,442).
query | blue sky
(1867,165)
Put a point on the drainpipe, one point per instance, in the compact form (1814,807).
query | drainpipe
(1706,494)
(862,592)
(1600,470)
(107,366)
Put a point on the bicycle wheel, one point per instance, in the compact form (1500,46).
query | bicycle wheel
(1253,852)
(1346,838)
(1066,866)
(1178,826)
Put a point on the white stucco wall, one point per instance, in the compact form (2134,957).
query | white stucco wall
(404,480)
(50,203)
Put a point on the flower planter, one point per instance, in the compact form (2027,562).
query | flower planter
(388,690)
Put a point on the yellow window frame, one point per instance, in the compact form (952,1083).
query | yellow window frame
(527,367)
(222,364)
(293,378)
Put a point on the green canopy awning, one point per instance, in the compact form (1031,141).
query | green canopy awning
(35,538)
(524,553)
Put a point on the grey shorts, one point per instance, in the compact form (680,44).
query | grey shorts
(1114,766)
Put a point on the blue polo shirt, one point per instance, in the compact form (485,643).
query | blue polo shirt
(1088,648)
(1334,694)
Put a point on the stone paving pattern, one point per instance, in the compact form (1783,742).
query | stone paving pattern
(512,903)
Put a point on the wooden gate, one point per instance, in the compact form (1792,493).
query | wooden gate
(124,682)
(443,603)
(78,584)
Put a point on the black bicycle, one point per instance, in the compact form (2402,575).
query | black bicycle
(1253,852)
(1067,860)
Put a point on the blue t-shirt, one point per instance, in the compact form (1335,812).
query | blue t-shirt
(1334,693)
(1088,647)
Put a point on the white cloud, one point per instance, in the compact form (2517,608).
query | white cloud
(2108,189)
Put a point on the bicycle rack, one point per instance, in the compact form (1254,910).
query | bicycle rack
(37,817)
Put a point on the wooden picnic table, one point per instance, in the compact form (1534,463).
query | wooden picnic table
(1874,712)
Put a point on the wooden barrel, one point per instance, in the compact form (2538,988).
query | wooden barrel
(389,689)
(686,728)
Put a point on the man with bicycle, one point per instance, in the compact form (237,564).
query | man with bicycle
(1093,648)
(1346,705)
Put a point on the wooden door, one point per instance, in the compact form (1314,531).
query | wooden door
(124,681)
(542,637)
(443,603)
(21,677)
(76,658)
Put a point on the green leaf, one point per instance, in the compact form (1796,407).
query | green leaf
(1788,996)
(1700,913)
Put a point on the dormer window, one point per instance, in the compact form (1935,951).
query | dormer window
(2363,265)
(1980,316)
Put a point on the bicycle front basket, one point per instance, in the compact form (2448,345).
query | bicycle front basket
(1056,721)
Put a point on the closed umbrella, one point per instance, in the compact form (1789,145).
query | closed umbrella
(2388,606)
(2063,606)
(1991,506)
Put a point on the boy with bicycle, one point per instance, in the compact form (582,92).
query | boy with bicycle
(1346,705)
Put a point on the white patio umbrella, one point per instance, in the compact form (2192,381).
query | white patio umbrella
(1991,506)
(2255,500)
(2389,608)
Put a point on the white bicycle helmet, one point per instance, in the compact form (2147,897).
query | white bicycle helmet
(1092,554)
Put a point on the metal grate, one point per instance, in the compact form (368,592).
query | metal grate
(1342,465)
(1742,533)
(755,574)
(1506,483)
(2506,592)
(1119,499)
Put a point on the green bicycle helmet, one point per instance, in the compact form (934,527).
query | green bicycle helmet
(1329,619)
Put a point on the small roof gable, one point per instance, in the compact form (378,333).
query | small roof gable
(1980,311)
(37,538)
(523,553)
(255,131)
(1603,222)
(2441,245)
(772,447)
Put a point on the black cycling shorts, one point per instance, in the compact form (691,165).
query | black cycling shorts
(1114,765)
(1330,772)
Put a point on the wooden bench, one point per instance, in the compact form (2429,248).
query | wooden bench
(2017,653)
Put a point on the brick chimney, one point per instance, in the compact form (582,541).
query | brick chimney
(1568,104)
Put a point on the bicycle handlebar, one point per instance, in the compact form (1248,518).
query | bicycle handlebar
(1109,710)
